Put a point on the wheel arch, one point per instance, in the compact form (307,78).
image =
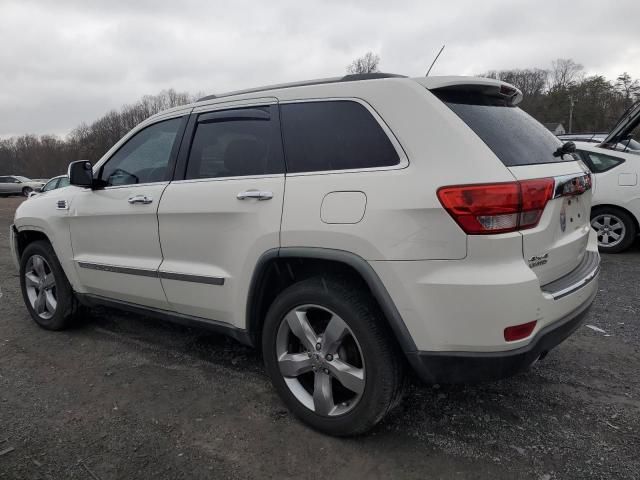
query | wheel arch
(278,268)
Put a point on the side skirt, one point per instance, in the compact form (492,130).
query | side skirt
(239,334)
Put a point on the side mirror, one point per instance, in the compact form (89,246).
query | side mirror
(81,173)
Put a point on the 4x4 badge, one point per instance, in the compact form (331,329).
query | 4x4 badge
(538,260)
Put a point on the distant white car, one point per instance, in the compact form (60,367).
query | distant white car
(17,185)
(53,184)
(627,145)
(615,213)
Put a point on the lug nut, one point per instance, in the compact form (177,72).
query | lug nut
(329,357)
(309,354)
(326,370)
(318,346)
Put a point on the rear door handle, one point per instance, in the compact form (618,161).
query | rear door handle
(140,199)
(258,194)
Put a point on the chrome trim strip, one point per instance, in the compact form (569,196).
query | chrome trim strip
(113,269)
(575,286)
(182,277)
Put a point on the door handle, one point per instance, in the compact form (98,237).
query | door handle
(140,199)
(258,194)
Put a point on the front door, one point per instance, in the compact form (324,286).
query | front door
(223,211)
(114,229)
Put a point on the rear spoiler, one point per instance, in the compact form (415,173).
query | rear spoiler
(485,86)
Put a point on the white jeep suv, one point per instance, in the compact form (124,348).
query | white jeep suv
(348,227)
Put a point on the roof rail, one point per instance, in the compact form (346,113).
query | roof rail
(354,77)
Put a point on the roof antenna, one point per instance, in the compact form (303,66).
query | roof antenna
(434,61)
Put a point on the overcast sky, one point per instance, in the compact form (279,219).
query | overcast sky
(67,61)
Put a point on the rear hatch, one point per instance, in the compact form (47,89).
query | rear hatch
(556,244)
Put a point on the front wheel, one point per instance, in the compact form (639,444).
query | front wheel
(329,355)
(45,288)
(26,191)
(614,228)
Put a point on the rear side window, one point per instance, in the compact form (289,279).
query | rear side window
(235,143)
(598,162)
(333,135)
(513,135)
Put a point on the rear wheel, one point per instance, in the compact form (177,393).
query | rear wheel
(45,288)
(329,356)
(615,229)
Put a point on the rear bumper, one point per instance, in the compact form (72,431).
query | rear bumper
(473,367)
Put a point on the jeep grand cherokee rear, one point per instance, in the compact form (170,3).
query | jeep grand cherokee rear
(343,225)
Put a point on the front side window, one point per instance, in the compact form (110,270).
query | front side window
(144,158)
(64,182)
(598,163)
(235,143)
(333,135)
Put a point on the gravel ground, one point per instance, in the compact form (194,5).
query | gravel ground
(127,397)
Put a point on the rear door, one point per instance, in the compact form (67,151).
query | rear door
(223,210)
(557,244)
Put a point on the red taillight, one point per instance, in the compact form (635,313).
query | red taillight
(518,332)
(497,207)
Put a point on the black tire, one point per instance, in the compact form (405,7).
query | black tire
(26,191)
(384,372)
(630,230)
(66,302)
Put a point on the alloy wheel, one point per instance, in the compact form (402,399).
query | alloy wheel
(609,228)
(320,359)
(40,284)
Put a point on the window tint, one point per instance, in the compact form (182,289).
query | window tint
(144,158)
(513,135)
(333,135)
(598,162)
(3,179)
(228,145)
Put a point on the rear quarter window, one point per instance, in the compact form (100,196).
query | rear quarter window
(333,135)
(514,136)
(598,162)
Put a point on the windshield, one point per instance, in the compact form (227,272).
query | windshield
(513,135)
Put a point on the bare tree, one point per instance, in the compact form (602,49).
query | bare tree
(629,88)
(365,64)
(564,74)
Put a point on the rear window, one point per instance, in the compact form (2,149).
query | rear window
(333,135)
(513,135)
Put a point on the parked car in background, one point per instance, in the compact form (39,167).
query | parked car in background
(615,212)
(629,145)
(18,185)
(420,227)
(53,184)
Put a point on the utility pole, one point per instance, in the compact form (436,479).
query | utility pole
(572,102)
